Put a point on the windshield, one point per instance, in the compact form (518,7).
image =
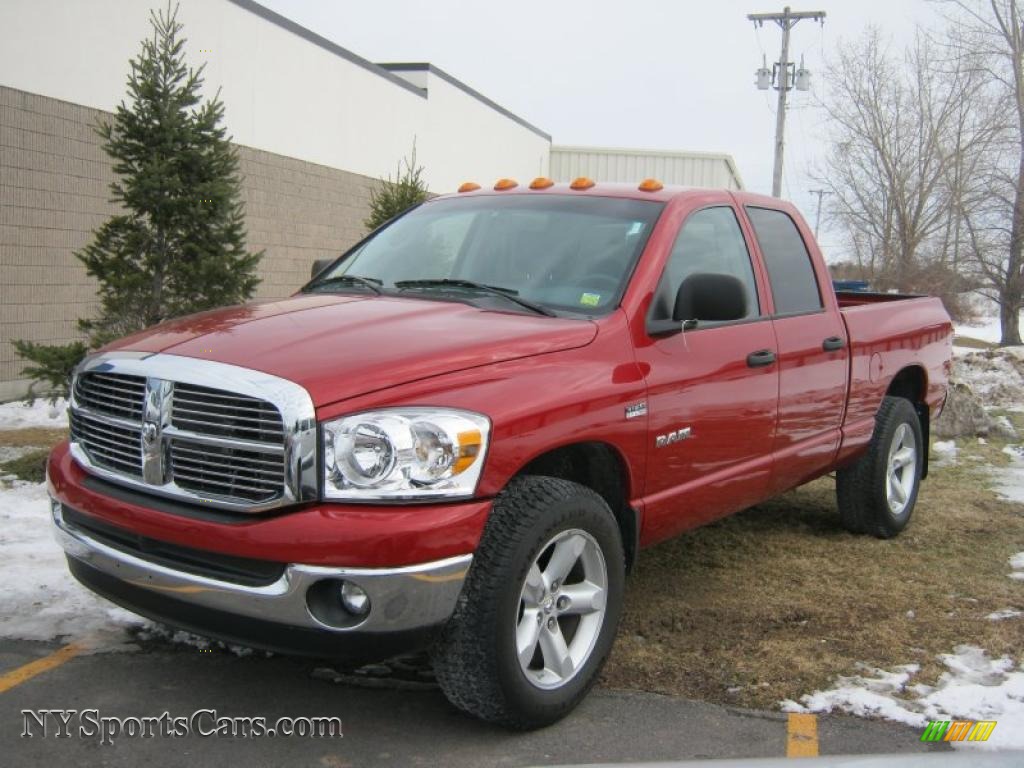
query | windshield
(562,253)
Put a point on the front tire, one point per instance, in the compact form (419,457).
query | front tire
(540,608)
(877,493)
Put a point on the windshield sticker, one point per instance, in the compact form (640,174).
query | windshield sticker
(637,226)
(590,299)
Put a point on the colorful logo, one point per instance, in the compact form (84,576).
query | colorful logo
(958,730)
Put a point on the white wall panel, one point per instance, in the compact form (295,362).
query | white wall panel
(283,92)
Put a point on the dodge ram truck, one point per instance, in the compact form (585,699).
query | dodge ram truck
(459,434)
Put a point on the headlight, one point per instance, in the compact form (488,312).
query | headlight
(404,453)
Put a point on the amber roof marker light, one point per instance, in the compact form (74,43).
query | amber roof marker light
(581,183)
(469,186)
(503,184)
(650,185)
(541,182)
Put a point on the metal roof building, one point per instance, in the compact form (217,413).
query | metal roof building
(692,169)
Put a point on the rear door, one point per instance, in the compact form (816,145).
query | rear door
(812,351)
(711,413)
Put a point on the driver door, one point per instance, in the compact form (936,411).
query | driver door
(712,401)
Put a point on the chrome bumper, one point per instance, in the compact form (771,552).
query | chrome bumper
(407,598)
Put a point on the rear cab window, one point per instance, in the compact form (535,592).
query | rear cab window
(794,283)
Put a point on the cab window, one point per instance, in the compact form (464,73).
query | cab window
(794,285)
(710,241)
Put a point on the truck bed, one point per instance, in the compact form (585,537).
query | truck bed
(889,333)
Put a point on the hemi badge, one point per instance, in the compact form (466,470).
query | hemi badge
(635,410)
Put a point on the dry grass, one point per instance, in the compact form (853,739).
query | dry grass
(32,437)
(30,467)
(778,600)
(24,452)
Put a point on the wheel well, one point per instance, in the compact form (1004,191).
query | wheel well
(910,384)
(600,467)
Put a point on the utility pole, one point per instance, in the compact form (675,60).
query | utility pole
(817,218)
(784,81)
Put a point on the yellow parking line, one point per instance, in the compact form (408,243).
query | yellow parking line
(26,672)
(802,736)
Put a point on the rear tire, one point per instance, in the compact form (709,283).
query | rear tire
(538,614)
(877,493)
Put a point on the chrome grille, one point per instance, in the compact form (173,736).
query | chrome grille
(113,394)
(216,412)
(221,471)
(116,447)
(206,432)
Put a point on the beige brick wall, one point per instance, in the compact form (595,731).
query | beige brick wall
(54,189)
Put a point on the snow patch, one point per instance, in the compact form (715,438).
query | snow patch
(871,694)
(41,600)
(1017,564)
(945,453)
(1009,480)
(996,376)
(985,328)
(945,448)
(17,415)
(11,452)
(1006,613)
(161,632)
(973,687)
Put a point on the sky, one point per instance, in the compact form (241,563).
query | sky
(645,74)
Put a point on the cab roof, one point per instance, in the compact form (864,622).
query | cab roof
(621,190)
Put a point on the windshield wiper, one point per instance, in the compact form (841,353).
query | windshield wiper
(366,282)
(506,293)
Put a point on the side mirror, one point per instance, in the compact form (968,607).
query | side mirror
(710,297)
(319,266)
(703,297)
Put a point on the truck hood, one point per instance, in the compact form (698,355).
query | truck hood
(339,347)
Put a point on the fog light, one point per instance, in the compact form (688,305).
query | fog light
(55,510)
(355,599)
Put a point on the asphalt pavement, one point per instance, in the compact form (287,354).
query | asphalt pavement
(397,719)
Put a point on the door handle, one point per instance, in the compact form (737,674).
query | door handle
(760,358)
(832,343)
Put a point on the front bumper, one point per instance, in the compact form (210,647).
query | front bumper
(247,581)
(400,598)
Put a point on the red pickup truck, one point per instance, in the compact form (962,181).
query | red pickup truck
(460,433)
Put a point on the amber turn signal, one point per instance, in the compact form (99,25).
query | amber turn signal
(541,182)
(506,184)
(469,186)
(581,183)
(650,185)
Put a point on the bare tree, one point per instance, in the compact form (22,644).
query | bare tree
(905,133)
(990,34)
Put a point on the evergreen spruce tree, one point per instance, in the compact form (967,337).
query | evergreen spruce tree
(179,245)
(398,194)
